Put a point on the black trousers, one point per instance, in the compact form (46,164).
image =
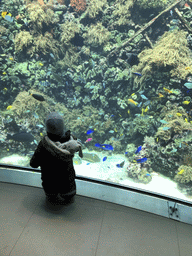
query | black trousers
(56,190)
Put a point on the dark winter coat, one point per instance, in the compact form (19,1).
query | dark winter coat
(56,162)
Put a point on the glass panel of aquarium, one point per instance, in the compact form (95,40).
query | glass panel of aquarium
(119,72)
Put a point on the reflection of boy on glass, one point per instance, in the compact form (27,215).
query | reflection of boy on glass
(54,155)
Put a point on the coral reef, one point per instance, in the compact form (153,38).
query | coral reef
(78,5)
(68,31)
(97,34)
(184,174)
(94,7)
(170,54)
(121,12)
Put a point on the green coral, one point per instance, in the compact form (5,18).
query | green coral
(97,34)
(170,54)
(184,174)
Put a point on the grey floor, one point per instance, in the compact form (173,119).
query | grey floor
(89,227)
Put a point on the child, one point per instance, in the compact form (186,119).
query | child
(54,154)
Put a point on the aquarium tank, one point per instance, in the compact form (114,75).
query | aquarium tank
(120,74)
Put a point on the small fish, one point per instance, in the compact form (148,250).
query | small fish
(104,159)
(166,128)
(11,58)
(160,95)
(186,120)
(186,102)
(157,139)
(104,146)
(126,153)
(120,165)
(41,134)
(4,73)
(9,107)
(39,125)
(137,74)
(38,97)
(111,131)
(187,6)
(187,68)
(115,130)
(142,111)
(146,109)
(167,90)
(89,131)
(132,94)
(182,171)
(142,160)
(133,102)
(148,174)
(128,111)
(163,122)
(41,64)
(144,97)
(138,149)
(9,18)
(179,114)
(89,139)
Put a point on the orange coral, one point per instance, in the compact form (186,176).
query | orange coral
(78,5)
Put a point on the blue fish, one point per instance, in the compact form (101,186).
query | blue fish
(142,160)
(104,146)
(138,149)
(148,174)
(104,158)
(137,74)
(126,153)
(120,165)
(90,131)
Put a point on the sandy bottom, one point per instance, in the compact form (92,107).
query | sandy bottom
(108,171)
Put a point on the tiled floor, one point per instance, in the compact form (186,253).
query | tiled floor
(87,227)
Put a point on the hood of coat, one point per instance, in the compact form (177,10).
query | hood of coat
(55,150)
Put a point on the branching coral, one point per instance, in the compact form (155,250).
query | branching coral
(171,53)
(97,34)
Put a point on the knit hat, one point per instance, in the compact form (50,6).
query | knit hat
(54,126)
